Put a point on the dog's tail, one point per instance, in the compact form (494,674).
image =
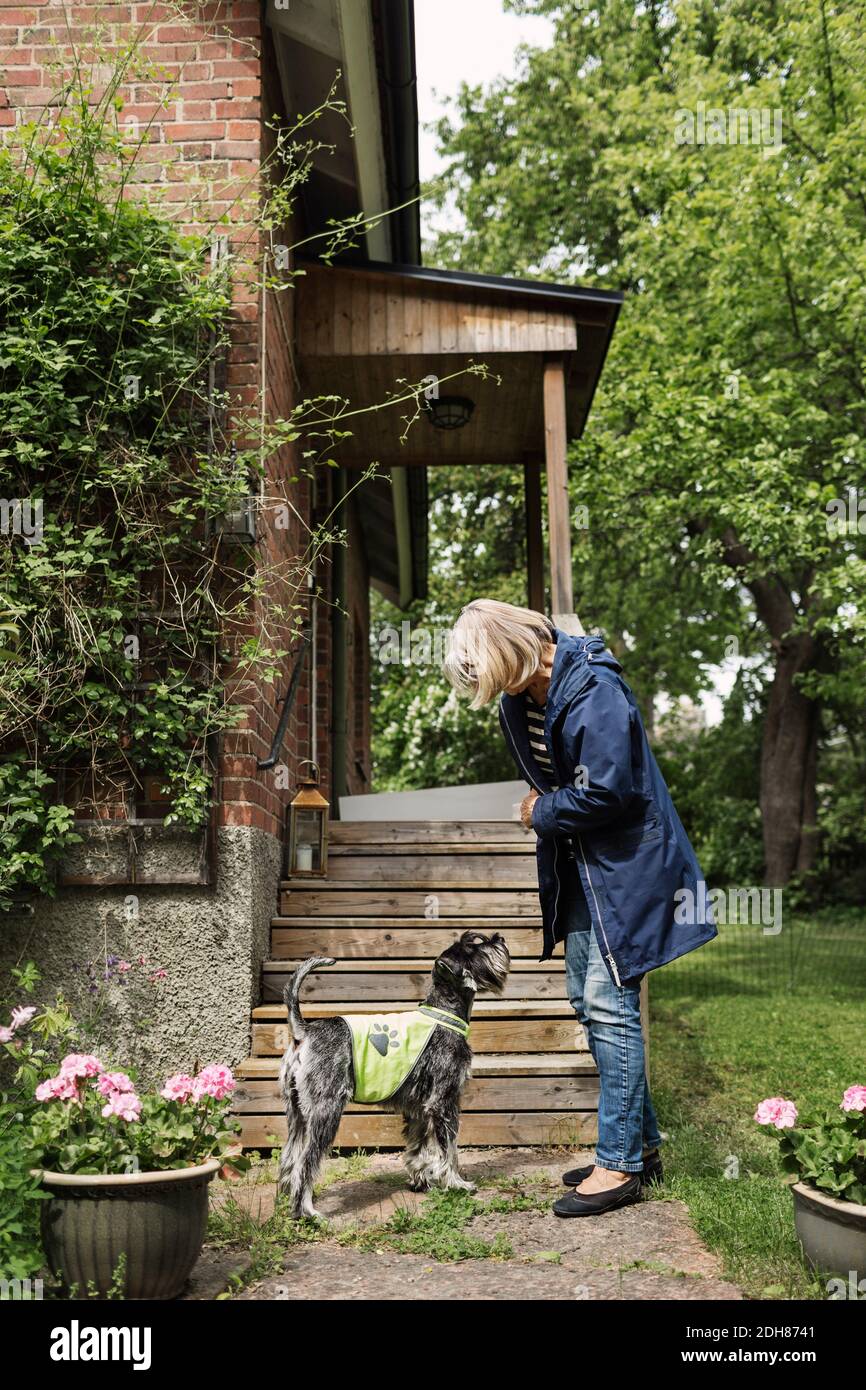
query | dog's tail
(292,989)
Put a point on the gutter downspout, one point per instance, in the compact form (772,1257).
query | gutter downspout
(339,665)
(403,534)
(400,84)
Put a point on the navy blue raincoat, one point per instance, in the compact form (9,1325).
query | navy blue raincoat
(612,818)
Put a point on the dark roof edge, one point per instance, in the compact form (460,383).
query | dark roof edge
(539,289)
(607,342)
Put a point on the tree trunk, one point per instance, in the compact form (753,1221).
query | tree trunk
(789,751)
(788,768)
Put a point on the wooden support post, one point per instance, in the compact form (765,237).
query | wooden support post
(534,536)
(558,511)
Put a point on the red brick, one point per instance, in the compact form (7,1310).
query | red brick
(246,87)
(194,130)
(244,110)
(206,90)
(233,67)
(22,77)
(244,9)
(237,149)
(197,110)
(243,130)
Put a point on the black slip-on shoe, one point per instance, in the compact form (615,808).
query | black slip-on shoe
(575,1176)
(597,1203)
(653,1173)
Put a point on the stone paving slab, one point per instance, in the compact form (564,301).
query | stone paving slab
(328,1273)
(645,1251)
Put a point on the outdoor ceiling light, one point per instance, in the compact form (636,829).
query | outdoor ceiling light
(449,412)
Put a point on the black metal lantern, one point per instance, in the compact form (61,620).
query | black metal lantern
(308,827)
(239,524)
(449,412)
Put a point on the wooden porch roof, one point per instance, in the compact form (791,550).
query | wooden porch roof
(361,329)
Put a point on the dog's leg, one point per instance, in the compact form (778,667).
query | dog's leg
(310,1133)
(422,1155)
(319,1134)
(445,1125)
(296,1136)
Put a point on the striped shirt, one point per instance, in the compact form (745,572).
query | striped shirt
(537,742)
(574,909)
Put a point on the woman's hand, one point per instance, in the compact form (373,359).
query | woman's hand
(526,806)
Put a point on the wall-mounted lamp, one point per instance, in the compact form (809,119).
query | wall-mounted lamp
(449,412)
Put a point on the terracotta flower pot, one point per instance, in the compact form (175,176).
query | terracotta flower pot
(832,1233)
(156,1220)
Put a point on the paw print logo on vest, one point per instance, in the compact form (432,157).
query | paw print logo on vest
(382,1037)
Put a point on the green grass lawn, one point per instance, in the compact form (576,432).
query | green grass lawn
(746,1017)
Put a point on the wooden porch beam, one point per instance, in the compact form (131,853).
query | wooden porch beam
(558,510)
(534,536)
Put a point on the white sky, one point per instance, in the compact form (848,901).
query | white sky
(464,41)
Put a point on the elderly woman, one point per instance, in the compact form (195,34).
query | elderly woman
(618,880)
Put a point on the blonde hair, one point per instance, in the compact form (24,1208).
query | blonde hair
(493,646)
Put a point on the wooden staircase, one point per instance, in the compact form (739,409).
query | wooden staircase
(397,895)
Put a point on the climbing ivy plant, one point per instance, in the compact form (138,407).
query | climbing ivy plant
(122,603)
(130,627)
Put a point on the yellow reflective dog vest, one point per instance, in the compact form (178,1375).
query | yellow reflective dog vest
(387,1047)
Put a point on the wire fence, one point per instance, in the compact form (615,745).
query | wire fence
(823,950)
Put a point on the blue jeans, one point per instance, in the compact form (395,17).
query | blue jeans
(610,1014)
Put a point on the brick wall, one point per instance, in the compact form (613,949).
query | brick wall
(205,148)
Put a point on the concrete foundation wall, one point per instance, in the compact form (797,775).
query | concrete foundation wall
(210,942)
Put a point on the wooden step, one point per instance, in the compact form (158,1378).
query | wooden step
(262,1097)
(526,849)
(376,833)
(526,1034)
(370,939)
(447,869)
(380,981)
(492,1064)
(502,1129)
(327,899)
(395,964)
(483,1008)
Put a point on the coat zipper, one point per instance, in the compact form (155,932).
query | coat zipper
(609,957)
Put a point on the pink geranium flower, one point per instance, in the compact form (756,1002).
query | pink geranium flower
(124,1104)
(123,966)
(777,1111)
(21,1016)
(57,1088)
(114,1082)
(216,1081)
(5,1035)
(854,1098)
(81,1064)
(178,1087)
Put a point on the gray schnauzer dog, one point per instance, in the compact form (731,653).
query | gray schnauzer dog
(317,1075)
